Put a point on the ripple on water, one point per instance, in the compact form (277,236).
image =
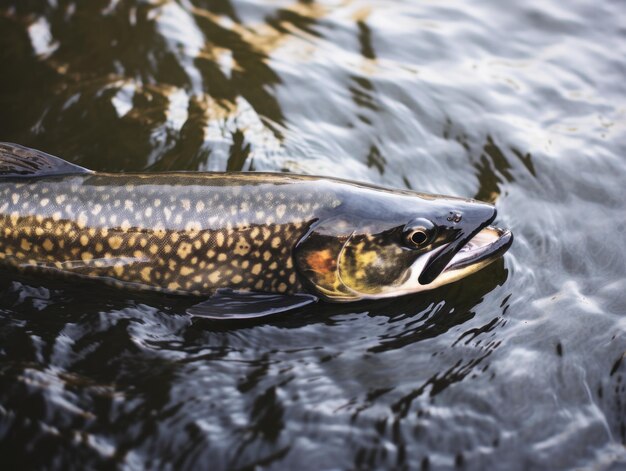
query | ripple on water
(520,366)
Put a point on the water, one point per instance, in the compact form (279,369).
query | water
(520,366)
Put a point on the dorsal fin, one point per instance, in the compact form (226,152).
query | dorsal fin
(21,162)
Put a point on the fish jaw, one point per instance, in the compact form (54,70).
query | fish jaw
(484,248)
(477,216)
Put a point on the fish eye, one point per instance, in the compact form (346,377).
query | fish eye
(418,233)
(418,236)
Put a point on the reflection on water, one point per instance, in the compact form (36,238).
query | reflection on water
(520,366)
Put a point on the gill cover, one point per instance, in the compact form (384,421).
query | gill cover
(343,261)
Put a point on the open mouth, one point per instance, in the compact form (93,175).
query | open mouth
(489,244)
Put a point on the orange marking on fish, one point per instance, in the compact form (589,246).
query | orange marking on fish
(322,262)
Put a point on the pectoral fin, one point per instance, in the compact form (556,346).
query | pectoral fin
(229,304)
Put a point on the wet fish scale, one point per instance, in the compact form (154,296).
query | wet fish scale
(184,233)
(177,233)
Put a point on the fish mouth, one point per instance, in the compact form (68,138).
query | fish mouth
(440,260)
(476,252)
(483,248)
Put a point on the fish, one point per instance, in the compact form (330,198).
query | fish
(249,244)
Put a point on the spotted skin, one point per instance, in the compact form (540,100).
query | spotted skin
(176,233)
(194,233)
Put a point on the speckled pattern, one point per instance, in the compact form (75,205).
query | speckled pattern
(178,233)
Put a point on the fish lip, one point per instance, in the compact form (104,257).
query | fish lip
(487,252)
(439,262)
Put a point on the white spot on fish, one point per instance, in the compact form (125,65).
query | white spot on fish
(280,210)
(193,226)
(81,221)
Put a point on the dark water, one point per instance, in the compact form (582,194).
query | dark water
(520,366)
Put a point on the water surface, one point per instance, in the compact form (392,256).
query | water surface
(520,366)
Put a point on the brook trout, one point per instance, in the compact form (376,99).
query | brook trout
(253,243)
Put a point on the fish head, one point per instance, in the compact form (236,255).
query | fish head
(389,244)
